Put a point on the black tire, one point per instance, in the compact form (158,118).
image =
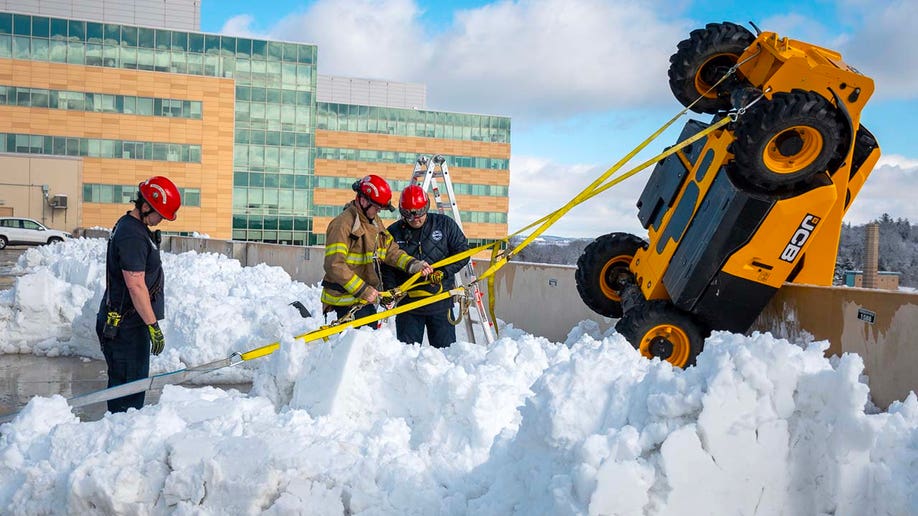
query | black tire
(602,269)
(782,143)
(701,60)
(3,242)
(658,329)
(54,240)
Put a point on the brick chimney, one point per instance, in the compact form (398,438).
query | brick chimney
(871,255)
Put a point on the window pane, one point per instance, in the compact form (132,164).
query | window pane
(21,47)
(22,25)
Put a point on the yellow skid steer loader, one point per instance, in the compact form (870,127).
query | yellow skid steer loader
(752,205)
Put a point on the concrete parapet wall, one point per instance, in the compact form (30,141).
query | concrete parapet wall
(542,299)
(879,325)
(304,264)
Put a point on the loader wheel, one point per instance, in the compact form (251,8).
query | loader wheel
(701,60)
(603,269)
(658,329)
(782,143)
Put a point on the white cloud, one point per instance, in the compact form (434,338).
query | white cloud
(241,26)
(526,59)
(554,58)
(363,38)
(884,47)
(890,189)
(539,187)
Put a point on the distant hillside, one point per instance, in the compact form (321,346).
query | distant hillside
(898,249)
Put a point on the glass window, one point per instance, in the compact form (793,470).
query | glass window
(275,50)
(106,102)
(227,45)
(6,46)
(179,62)
(174,152)
(129,36)
(22,24)
(129,58)
(272,158)
(111,56)
(93,54)
(76,30)
(257,111)
(212,44)
(112,34)
(23,97)
(272,116)
(179,40)
(243,47)
(195,64)
(212,65)
(145,106)
(6,23)
(73,146)
(41,27)
(146,38)
(196,43)
(130,105)
(160,151)
(58,28)
(21,47)
(162,61)
(94,32)
(163,39)
(145,59)
(192,197)
(259,49)
(39,98)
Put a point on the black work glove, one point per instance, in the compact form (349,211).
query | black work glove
(157,341)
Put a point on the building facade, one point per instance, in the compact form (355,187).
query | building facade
(235,122)
(886,280)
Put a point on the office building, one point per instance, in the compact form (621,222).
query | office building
(262,147)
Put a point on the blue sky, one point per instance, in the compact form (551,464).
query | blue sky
(584,81)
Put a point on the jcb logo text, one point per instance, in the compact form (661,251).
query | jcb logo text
(792,249)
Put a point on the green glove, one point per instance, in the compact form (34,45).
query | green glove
(435,277)
(157,341)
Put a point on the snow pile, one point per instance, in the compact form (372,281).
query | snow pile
(364,424)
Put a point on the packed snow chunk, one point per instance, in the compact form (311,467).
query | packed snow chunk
(41,309)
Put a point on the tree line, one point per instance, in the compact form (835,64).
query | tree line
(898,250)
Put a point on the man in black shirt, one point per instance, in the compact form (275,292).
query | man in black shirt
(430,237)
(133,303)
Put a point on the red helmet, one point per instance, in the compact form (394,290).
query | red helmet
(162,195)
(413,202)
(376,189)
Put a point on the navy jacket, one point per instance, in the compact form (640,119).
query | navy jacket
(439,238)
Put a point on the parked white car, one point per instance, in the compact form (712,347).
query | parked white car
(20,231)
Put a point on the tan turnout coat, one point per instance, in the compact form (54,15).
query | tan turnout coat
(354,246)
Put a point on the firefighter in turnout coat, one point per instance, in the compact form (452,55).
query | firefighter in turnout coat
(356,246)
